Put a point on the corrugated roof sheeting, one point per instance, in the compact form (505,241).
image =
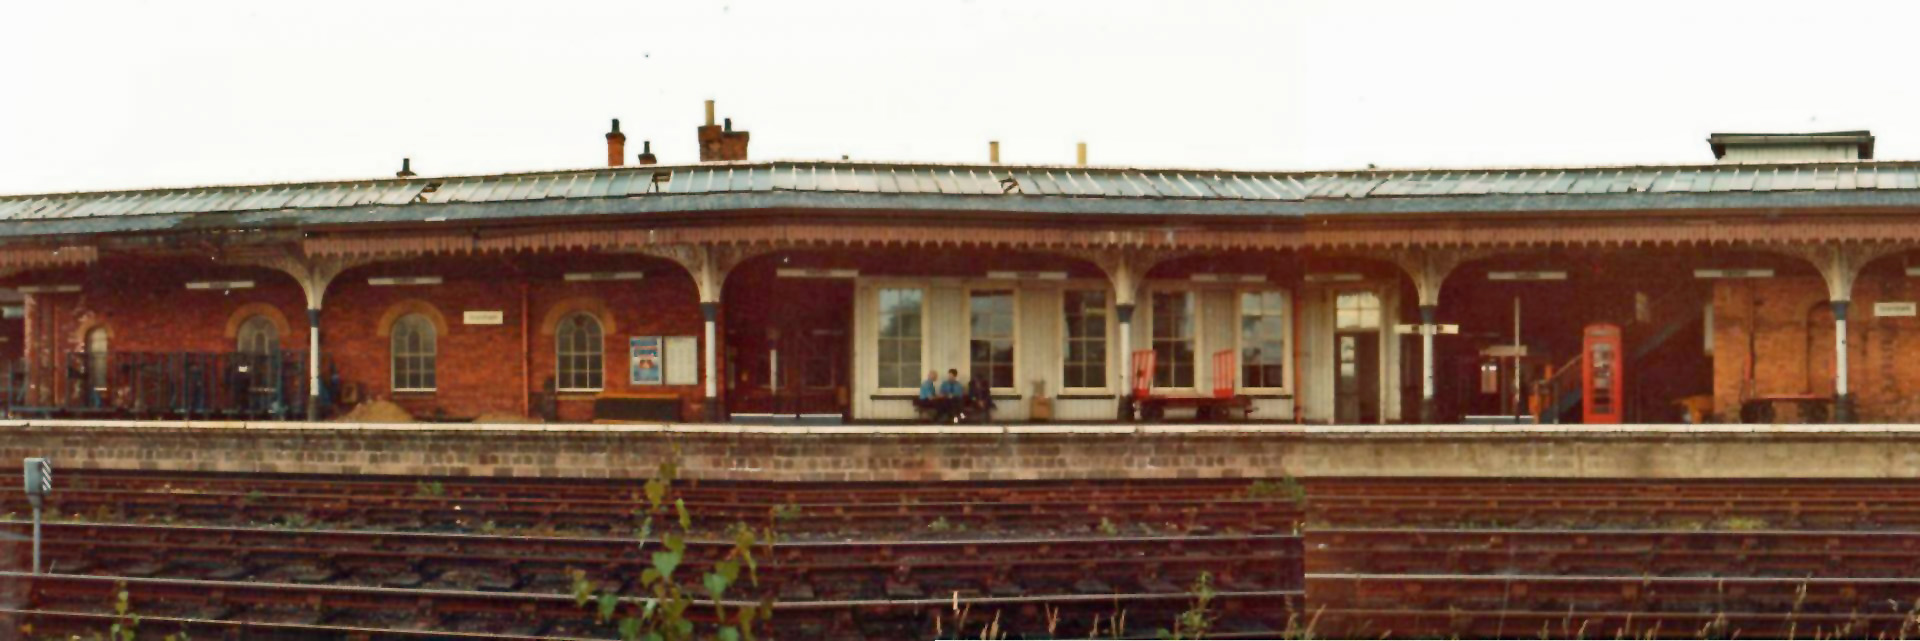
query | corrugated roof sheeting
(987,180)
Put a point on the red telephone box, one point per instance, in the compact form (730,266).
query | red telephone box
(1603,387)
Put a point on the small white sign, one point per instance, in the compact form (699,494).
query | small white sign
(1893,310)
(1733,273)
(1537,275)
(1437,329)
(1504,351)
(391,281)
(484,317)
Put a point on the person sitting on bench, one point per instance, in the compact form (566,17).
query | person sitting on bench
(929,400)
(979,401)
(951,397)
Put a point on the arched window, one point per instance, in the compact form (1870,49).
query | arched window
(414,353)
(258,336)
(581,354)
(97,359)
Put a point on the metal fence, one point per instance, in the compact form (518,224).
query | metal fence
(270,385)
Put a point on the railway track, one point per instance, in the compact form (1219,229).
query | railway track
(794,571)
(834,587)
(1516,605)
(209,608)
(1738,553)
(1763,573)
(610,508)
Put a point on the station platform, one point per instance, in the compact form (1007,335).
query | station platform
(895,453)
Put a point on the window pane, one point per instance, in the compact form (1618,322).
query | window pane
(1085,361)
(990,338)
(1173,339)
(412,355)
(898,356)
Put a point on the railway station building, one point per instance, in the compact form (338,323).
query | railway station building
(1776,282)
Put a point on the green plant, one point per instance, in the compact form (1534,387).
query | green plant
(429,489)
(1287,488)
(1108,528)
(664,612)
(1194,623)
(940,525)
(1744,523)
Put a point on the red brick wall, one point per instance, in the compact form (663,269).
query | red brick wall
(1792,331)
(481,369)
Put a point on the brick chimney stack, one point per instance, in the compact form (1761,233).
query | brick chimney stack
(616,146)
(646,153)
(721,142)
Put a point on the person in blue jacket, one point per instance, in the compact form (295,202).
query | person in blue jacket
(929,399)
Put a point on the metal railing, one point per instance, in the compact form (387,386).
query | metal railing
(268,385)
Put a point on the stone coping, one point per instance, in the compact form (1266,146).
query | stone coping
(1384,431)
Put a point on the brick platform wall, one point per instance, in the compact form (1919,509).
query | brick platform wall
(984,453)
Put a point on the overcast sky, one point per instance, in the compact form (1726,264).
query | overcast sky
(112,95)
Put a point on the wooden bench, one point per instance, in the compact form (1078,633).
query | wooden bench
(1810,408)
(1219,406)
(637,407)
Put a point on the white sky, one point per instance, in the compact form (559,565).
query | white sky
(109,95)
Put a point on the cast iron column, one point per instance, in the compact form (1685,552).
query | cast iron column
(712,312)
(313,364)
(1125,313)
(1427,314)
(1842,401)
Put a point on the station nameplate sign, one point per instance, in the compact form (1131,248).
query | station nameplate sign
(1895,310)
(494,317)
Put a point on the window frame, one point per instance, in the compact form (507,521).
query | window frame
(1107,331)
(560,353)
(879,338)
(271,330)
(1287,362)
(395,332)
(1195,321)
(1012,290)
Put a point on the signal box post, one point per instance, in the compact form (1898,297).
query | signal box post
(39,481)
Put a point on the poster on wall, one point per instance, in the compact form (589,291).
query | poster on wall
(645,360)
(683,360)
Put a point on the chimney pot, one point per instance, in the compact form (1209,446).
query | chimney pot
(993,151)
(646,153)
(721,142)
(406,168)
(616,146)
(1083,154)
